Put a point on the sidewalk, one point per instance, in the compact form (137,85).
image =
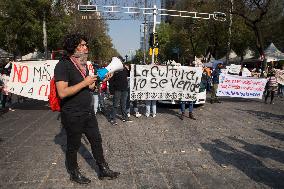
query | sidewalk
(235,144)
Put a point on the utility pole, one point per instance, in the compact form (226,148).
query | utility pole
(230,33)
(145,35)
(154,29)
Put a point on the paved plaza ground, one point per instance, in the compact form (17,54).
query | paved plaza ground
(236,144)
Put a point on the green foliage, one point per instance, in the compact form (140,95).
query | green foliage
(21,27)
(196,37)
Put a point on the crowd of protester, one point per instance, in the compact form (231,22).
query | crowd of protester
(118,88)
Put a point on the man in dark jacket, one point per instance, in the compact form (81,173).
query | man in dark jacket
(215,80)
(118,86)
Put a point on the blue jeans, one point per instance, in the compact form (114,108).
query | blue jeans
(96,102)
(102,100)
(182,106)
(281,90)
(119,97)
(128,104)
(149,104)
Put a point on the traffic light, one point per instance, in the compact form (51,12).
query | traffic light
(156,51)
(156,40)
(153,40)
(150,51)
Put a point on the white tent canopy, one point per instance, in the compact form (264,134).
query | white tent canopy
(273,54)
(5,54)
(233,57)
(248,54)
(36,55)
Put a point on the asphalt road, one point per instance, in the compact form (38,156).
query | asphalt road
(235,144)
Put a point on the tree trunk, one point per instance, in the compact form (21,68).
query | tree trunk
(259,45)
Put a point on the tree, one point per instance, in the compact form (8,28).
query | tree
(254,13)
(21,36)
(194,37)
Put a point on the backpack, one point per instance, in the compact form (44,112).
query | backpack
(54,100)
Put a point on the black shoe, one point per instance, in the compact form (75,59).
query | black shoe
(76,176)
(113,122)
(182,115)
(127,120)
(190,115)
(211,101)
(106,173)
(218,101)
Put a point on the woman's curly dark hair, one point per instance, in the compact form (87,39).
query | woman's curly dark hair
(71,41)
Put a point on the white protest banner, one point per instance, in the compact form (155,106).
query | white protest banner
(153,82)
(90,68)
(244,87)
(279,74)
(234,69)
(32,78)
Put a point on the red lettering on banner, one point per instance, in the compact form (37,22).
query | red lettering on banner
(40,89)
(19,73)
(223,86)
(91,68)
(236,87)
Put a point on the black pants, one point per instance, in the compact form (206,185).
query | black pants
(75,126)
(271,93)
(6,98)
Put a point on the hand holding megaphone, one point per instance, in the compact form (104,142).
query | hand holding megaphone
(115,65)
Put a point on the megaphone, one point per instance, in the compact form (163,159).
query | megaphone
(115,65)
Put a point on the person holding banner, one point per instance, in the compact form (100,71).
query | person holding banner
(73,85)
(215,80)
(272,86)
(190,110)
